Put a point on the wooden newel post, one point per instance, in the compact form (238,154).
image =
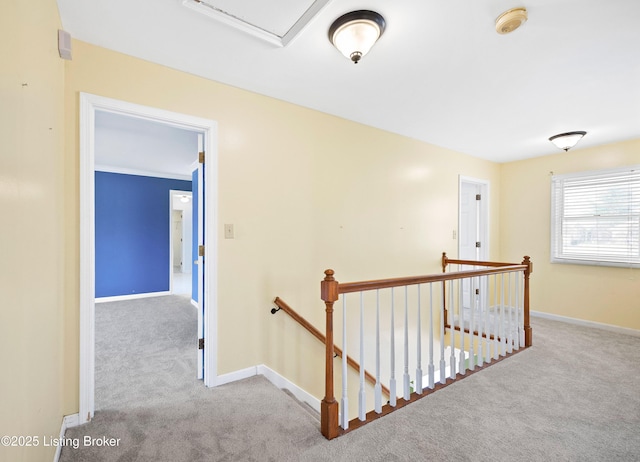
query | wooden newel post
(528,334)
(329,405)
(445,262)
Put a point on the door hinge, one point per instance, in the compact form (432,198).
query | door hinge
(477,291)
(478,244)
(201,157)
(200,344)
(478,197)
(201,251)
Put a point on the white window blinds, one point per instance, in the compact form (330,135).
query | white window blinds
(595,217)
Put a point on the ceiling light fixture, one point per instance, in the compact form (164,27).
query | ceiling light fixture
(567,140)
(353,34)
(184,199)
(510,20)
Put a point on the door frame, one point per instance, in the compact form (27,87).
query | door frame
(172,194)
(483,214)
(89,104)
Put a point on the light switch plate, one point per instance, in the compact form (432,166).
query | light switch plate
(228,231)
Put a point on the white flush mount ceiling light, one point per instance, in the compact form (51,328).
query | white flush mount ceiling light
(184,199)
(567,140)
(353,34)
(510,20)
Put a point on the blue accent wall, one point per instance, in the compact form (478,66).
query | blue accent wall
(132,220)
(194,268)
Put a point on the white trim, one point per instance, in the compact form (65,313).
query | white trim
(237,375)
(133,171)
(68,421)
(194,303)
(119,298)
(87,259)
(582,322)
(89,104)
(253,30)
(281,382)
(273,377)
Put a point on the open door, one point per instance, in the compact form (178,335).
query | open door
(200,254)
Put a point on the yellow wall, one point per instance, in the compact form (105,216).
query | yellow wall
(31,238)
(600,294)
(306,191)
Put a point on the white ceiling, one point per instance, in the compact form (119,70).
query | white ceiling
(440,73)
(133,145)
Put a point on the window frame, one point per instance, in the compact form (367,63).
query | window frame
(558,254)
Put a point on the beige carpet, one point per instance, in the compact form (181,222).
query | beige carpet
(574,396)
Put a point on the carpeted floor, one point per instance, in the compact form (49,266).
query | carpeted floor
(573,396)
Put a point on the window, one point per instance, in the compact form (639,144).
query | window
(595,217)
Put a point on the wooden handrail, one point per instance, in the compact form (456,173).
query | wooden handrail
(282,305)
(412,280)
(450,261)
(299,319)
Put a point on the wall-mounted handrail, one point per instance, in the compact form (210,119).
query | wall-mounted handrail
(282,305)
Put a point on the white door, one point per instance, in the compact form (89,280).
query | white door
(201,256)
(473,238)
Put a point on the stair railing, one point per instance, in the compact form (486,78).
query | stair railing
(493,322)
(282,305)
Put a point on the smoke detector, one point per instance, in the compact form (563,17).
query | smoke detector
(510,20)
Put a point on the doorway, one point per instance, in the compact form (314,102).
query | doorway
(181,238)
(473,238)
(473,229)
(89,105)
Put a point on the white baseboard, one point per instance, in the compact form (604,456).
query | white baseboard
(118,298)
(273,377)
(194,303)
(237,375)
(581,322)
(281,382)
(68,421)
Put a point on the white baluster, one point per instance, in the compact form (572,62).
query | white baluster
(510,318)
(406,378)
(362,402)
(503,337)
(472,323)
(392,380)
(487,330)
(419,349)
(443,363)
(344,402)
(452,359)
(516,337)
(462,368)
(521,298)
(496,311)
(377,389)
(480,304)
(431,368)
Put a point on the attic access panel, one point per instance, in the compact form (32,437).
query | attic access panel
(275,21)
